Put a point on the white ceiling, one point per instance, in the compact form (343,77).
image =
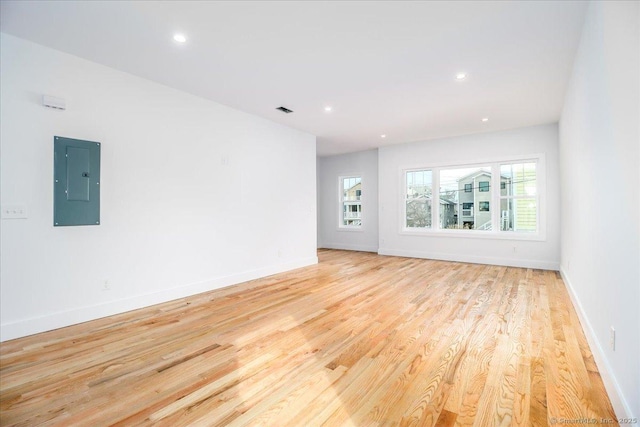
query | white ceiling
(385,67)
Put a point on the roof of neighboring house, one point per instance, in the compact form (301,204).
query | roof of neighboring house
(354,187)
(450,202)
(478,173)
(475,174)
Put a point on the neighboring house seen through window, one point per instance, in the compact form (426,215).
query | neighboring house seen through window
(464,212)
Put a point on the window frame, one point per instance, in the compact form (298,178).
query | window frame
(494,189)
(341,201)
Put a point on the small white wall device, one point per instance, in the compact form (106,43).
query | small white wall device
(53,102)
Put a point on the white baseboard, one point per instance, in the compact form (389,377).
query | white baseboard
(347,247)
(61,319)
(473,259)
(620,404)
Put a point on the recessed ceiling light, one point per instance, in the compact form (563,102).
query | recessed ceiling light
(461,76)
(485,119)
(328,108)
(180,38)
(383,136)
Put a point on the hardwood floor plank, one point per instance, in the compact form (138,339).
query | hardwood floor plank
(357,340)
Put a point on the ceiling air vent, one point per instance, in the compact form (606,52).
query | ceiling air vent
(284,110)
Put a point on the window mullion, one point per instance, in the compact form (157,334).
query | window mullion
(495,197)
(435,198)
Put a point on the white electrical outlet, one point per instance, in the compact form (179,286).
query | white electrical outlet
(14,212)
(106,285)
(612,339)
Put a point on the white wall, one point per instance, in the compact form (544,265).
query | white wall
(468,150)
(175,220)
(599,160)
(365,164)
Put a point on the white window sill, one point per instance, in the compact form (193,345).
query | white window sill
(480,234)
(359,228)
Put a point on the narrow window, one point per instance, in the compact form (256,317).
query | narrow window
(351,202)
(418,195)
(518,197)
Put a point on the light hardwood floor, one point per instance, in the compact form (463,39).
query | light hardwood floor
(360,339)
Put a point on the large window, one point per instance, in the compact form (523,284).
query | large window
(417,199)
(492,198)
(351,202)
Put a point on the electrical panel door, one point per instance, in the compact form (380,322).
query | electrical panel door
(76,187)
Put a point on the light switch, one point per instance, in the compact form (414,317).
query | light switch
(14,212)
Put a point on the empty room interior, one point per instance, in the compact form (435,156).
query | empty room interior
(358,213)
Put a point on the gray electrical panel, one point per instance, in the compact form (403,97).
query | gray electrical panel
(76,182)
